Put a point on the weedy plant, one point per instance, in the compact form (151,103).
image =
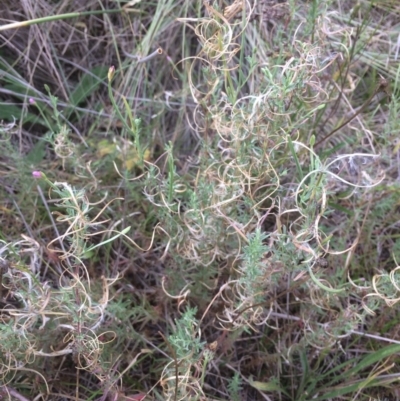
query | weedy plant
(46,320)
(250,151)
(256,162)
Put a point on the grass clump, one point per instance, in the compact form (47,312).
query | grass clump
(217,219)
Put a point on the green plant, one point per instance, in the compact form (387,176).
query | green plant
(251,156)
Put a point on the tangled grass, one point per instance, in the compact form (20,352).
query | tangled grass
(213,208)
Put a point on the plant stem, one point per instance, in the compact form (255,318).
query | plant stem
(41,20)
(380,87)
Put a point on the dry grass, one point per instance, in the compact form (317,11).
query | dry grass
(218,219)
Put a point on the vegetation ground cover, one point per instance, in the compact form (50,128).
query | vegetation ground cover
(199,200)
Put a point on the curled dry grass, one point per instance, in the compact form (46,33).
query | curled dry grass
(251,204)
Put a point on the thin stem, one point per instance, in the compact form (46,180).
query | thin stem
(157,52)
(42,20)
(381,87)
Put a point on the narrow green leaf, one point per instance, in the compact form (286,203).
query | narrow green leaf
(333,394)
(271,386)
(123,232)
(322,286)
(37,153)
(340,208)
(375,357)
(88,84)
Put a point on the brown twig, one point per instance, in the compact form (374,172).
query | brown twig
(381,87)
